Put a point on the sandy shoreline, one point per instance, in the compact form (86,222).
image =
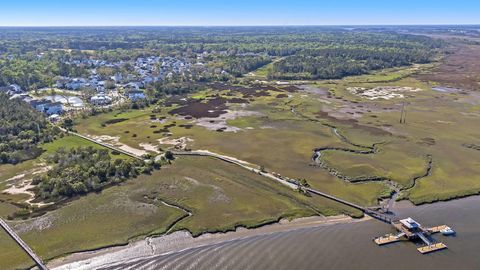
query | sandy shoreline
(183,240)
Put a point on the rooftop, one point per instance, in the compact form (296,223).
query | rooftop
(410,223)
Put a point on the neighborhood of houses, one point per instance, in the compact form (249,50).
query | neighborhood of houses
(145,70)
(51,109)
(127,81)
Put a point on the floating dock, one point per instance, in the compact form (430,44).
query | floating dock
(387,239)
(432,248)
(437,229)
(412,230)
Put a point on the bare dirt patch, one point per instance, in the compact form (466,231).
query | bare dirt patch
(149,147)
(315,90)
(114,141)
(179,143)
(382,92)
(25,187)
(220,123)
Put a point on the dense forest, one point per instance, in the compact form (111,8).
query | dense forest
(82,170)
(355,55)
(22,129)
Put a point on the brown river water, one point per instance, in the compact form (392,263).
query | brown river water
(339,246)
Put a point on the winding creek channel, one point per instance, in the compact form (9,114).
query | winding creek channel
(318,245)
(385,205)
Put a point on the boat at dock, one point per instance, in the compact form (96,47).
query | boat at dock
(447,231)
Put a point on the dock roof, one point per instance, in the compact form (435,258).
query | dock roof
(410,223)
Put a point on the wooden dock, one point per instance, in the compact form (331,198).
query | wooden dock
(387,239)
(437,229)
(412,230)
(432,248)
(38,261)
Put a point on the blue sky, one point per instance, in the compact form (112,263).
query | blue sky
(238,12)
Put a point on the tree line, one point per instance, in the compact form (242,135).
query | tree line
(82,170)
(22,129)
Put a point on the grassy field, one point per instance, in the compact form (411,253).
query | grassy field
(392,161)
(219,199)
(284,143)
(437,124)
(281,140)
(14,174)
(8,171)
(97,220)
(226,196)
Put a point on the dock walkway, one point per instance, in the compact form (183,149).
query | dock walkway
(23,245)
(424,239)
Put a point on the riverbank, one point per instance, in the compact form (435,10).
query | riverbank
(333,247)
(182,240)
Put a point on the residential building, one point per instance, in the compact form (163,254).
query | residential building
(135,95)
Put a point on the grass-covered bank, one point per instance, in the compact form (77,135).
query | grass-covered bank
(220,199)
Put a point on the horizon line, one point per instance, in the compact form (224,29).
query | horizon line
(246,25)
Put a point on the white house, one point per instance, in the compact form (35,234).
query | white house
(136,95)
(101,99)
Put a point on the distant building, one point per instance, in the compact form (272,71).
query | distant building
(11,89)
(76,84)
(117,78)
(47,107)
(132,86)
(54,117)
(23,96)
(16,88)
(136,95)
(100,99)
(61,83)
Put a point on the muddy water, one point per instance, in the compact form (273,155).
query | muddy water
(340,246)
